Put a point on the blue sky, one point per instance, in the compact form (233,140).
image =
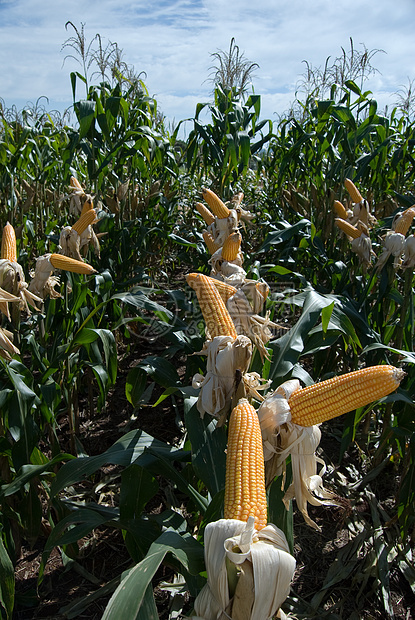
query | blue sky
(171,40)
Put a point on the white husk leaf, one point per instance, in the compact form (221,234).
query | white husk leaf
(307,485)
(273,568)
(282,438)
(221,228)
(409,253)
(362,213)
(256,292)
(88,237)
(225,356)
(5,299)
(394,244)
(69,242)
(7,348)
(43,282)
(75,204)
(362,246)
(230,272)
(12,280)
(250,324)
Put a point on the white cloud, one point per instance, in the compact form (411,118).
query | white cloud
(172,40)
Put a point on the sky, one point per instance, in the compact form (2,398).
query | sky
(172,42)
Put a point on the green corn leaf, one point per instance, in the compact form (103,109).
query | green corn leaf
(208,448)
(125,451)
(288,348)
(135,385)
(6,581)
(138,486)
(86,113)
(128,598)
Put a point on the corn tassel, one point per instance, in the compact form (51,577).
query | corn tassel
(231,247)
(218,207)
(217,318)
(245,478)
(208,217)
(88,218)
(348,228)
(210,242)
(59,261)
(328,399)
(8,244)
(404,220)
(340,210)
(355,195)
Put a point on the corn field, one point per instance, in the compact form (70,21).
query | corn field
(206,361)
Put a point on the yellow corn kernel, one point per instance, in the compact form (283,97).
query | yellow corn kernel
(210,242)
(88,218)
(8,244)
(404,220)
(348,228)
(205,213)
(59,261)
(87,206)
(225,290)
(340,210)
(231,246)
(218,207)
(355,195)
(75,183)
(245,494)
(328,399)
(217,318)
(263,289)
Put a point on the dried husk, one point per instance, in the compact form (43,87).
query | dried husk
(43,282)
(225,356)
(282,438)
(13,281)
(394,244)
(231,544)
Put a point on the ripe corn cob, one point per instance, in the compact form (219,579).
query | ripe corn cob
(216,316)
(59,261)
(340,210)
(404,221)
(218,207)
(88,205)
(231,246)
(88,218)
(328,399)
(225,290)
(75,183)
(8,244)
(245,478)
(355,195)
(210,242)
(205,213)
(263,289)
(348,228)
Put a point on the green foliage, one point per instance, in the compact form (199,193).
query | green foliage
(144,183)
(224,148)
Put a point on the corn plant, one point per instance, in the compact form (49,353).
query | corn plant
(341,312)
(224,147)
